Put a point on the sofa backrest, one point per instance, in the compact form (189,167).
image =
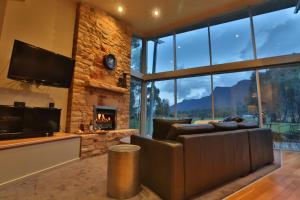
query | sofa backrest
(177,129)
(214,158)
(188,129)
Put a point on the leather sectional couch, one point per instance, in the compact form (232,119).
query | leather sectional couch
(197,162)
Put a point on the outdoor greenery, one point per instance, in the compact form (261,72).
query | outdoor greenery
(135,103)
(281,94)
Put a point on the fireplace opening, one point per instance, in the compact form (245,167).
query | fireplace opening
(104,118)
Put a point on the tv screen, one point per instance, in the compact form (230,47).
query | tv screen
(34,64)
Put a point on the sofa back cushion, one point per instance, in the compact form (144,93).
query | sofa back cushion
(188,129)
(161,127)
(225,126)
(246,125)
(235,118)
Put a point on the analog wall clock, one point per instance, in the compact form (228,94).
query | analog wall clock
(110,61)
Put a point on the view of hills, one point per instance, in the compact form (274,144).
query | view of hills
(223,96)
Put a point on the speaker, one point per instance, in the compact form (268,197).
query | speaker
(19,104)
(51,105)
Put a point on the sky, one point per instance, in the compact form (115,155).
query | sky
(276,33)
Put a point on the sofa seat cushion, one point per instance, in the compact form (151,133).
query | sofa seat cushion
(188,129)
(246,125)
(161,127)
(225,126)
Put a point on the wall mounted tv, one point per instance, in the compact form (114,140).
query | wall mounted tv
(33,64)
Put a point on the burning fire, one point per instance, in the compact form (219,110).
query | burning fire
(101,118)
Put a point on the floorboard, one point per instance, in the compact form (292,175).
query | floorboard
(283,183)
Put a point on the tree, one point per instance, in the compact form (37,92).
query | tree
(136,53)
(135,107)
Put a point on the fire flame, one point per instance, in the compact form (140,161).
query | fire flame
(101,118)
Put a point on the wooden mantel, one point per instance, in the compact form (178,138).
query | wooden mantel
(100,85)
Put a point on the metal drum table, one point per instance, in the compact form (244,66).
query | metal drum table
(123,171)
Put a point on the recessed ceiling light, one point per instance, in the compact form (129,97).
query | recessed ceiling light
(120,9)
(237,35)
(179,47)
(156,12)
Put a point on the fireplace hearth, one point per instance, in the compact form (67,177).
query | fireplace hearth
(104,118)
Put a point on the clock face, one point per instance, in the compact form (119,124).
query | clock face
(110,61)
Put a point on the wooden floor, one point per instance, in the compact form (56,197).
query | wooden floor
(284,183)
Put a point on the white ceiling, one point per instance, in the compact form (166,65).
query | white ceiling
(175,14)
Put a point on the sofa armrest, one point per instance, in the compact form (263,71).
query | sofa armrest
(161,166)
(261,147)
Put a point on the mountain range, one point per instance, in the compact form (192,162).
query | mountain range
(223,96)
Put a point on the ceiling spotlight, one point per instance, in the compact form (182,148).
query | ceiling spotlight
(120,9)
(179,47)
(237,35)
(156,12)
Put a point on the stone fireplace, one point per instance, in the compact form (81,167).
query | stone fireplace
(104,118)
(97,34)
(96,94)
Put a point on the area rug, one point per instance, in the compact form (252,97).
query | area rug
(86,180)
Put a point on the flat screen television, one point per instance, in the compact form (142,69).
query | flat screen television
(33,64)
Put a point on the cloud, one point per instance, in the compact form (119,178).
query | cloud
(276,34)
(193,88)
(280,36)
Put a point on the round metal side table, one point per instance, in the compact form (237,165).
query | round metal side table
(123,179)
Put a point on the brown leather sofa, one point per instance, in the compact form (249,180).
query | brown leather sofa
(195,163)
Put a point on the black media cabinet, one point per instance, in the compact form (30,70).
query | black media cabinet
(24,122)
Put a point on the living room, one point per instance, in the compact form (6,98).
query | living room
(149,100)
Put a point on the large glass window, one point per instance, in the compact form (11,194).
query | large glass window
(164,59)
(194,98)
(150,52)
(277,33)
(135,103)
(231,41)
(192,49)
(280,93)
(160,101)
(236,94)
(136,54)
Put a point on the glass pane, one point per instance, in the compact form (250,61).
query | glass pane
(231,42)
(194,98)
(160,101)
(136,54)
(236,94)
(150,51)
(277,33)
(165,57)
(192,49)
(135,103)
(280,93)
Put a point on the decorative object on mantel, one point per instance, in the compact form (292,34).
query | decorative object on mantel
(83,119)
(110,61)
(100,85)
(91,126)
(122,81)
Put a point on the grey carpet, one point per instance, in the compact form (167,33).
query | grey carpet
(80,180)
(86,180)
